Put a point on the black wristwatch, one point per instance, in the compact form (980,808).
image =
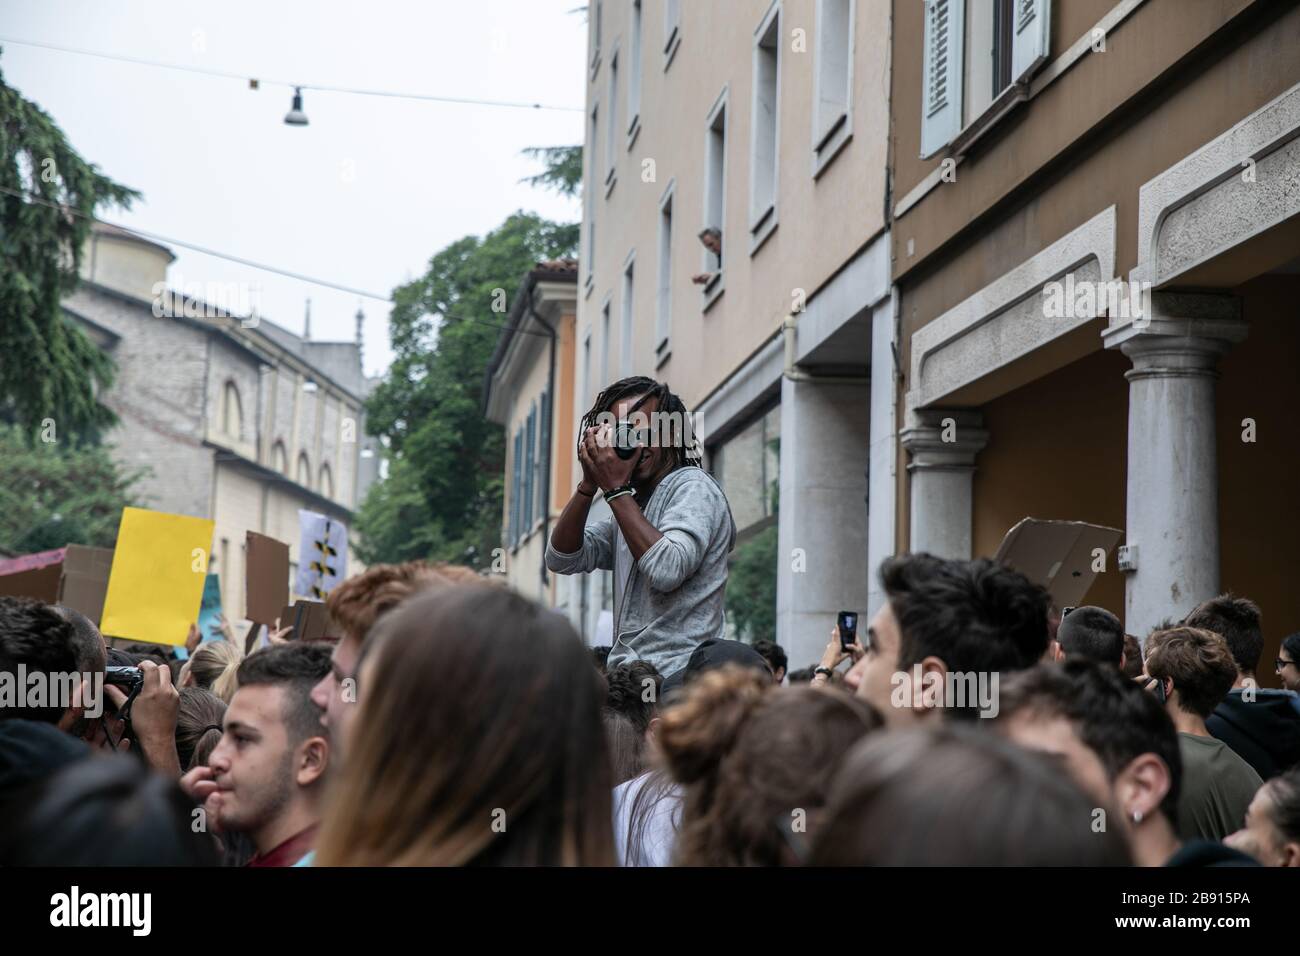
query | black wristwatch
(823,669)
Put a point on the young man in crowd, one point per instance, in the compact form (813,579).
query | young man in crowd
(39,651)
(1262,725)
(669,532)
(1132,657)
(774,654)
(1190,670)
(1119,745)
(1092,633)
(947,626)
(354,607)
(266,776)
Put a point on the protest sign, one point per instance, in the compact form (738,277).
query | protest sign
(159,570)
(1062,556)
(266,578)
(75,576)
(322,554)
(210,610)
(309,620)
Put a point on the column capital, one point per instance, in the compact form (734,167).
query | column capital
(1178,333)
(945,439)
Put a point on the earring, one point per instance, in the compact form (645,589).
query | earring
(1136,817)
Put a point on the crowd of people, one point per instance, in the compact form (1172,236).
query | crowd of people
(447,720)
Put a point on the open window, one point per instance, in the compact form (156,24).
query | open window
(664,294)
(765,128)
(672,29)
(977,56)
(634,75)
(715,196)
(833,80)
(611,127)
(627,306)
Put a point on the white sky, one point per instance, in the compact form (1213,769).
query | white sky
(218,167)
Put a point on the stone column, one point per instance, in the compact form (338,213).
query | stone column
(1172,533)
(822,518)
(943,444)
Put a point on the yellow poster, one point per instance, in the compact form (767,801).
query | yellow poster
(156,584)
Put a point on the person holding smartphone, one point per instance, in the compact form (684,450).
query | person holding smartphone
(843,645)
(668,533)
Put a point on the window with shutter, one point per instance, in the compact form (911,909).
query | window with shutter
(515,484)
(833,79)
(672,29)
(1033,33)
(543,453)
(530,446)
(942,65)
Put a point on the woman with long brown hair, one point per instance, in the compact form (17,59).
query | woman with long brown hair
(479,741)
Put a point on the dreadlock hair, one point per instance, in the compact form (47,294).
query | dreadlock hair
(668,403)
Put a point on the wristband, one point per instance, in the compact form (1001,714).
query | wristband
(822,669)
(619,492)
(584,493)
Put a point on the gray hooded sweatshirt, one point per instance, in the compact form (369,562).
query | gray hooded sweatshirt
(671,600)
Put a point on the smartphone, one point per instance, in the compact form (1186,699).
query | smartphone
(848,625)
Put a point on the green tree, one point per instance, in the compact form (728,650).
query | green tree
(563,169)
(442,498)
(49,369)
(752,572)
(751,587)
(56,494)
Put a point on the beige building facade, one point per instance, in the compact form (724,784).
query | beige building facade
(768,122)
(1096,246)
(529,377)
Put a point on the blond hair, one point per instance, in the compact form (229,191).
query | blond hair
(214,665)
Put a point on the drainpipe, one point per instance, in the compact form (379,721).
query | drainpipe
(550,436)
(796,374)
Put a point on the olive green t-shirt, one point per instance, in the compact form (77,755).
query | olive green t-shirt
(1217,788)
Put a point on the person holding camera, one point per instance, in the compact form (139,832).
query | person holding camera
(669,531)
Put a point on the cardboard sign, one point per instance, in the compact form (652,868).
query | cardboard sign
(266,580)
(75,576)
(1059,555)
(308,620)
(33,575)
(85,579)
(159,570)
(322,554)
(210,610)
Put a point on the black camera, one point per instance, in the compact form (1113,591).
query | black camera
(628,440)
(129,679)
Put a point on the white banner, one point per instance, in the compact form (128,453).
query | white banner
(322,554)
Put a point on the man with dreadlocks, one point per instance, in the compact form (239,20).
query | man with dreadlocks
(668,533)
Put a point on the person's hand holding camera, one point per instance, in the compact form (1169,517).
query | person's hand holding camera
(601,461)
(153,718)
(587,485)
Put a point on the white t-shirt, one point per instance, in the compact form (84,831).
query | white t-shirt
(660,832)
